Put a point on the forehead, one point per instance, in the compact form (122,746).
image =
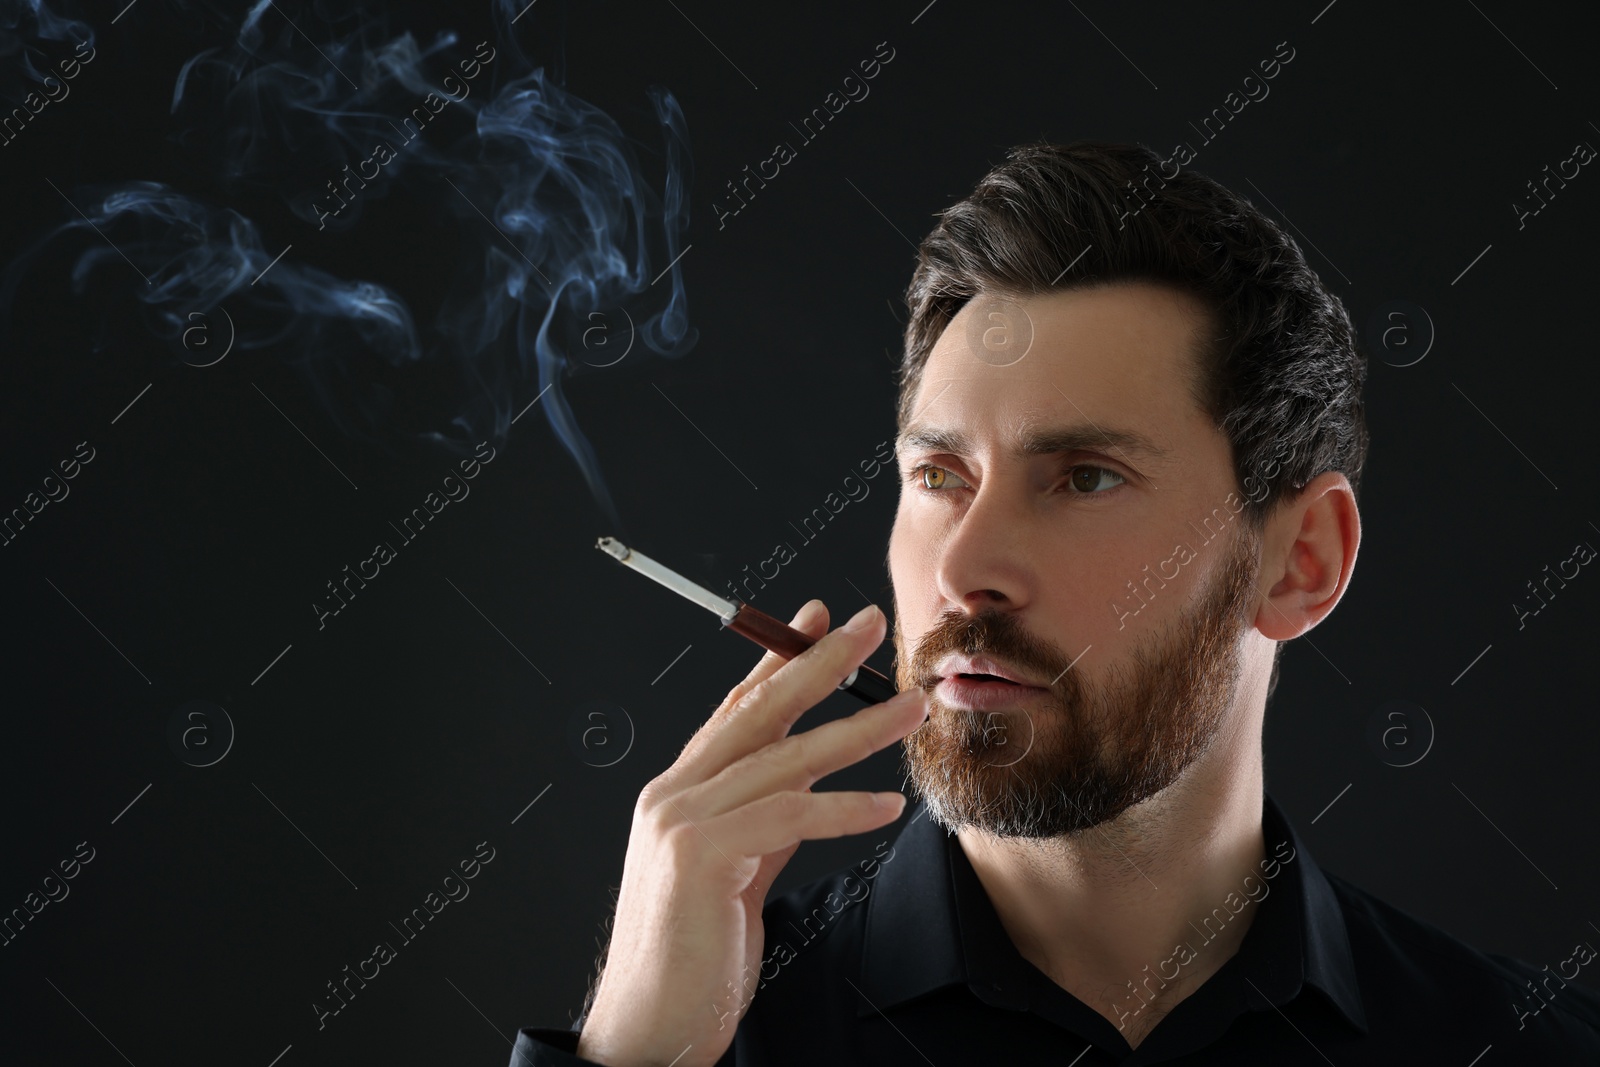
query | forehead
(1110,361)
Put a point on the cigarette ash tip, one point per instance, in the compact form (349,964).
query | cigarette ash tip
(612,546)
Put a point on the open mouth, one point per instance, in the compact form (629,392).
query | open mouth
(980,691)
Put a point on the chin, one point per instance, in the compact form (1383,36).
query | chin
(1019,775)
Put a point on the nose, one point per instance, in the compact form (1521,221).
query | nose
(989,553)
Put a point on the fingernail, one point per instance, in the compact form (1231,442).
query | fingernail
(807,612)
(908,697)
(861,619)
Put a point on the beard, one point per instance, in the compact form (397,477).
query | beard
(1089,750)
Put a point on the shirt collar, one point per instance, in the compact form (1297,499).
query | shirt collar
(929,924)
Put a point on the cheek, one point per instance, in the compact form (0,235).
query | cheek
(904,540)
(913,561)
(1120,563)
(1123,601)
(914,546)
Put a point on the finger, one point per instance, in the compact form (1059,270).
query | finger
(812,620)
(780,820)
(772,864)
(767,711)
(798,761)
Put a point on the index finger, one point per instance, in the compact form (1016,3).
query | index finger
(766,713)
(811,619)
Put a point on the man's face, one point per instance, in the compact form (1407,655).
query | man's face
(1116,576)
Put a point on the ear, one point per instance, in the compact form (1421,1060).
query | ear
(1308,554)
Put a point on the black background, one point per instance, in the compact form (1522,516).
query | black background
(413,727)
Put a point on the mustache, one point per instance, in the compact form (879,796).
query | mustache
(994,634)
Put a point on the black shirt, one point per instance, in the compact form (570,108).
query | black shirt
(903,960)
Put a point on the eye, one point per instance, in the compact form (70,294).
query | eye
(931,477)
(1086,479)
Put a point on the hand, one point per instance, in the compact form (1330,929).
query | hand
(710,835)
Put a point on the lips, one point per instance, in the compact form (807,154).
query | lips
(982,693)
(984,670)
(983,683)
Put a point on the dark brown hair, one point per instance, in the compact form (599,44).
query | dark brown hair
(1281,374)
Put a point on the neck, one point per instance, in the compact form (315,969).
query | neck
(1106,913)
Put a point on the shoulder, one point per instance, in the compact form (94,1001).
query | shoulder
(1411,969)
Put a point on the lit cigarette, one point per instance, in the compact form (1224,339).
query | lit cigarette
(770,633)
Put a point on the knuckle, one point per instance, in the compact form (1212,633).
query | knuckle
(655,811)
(678,836)
(800,750)
(736,694)
(656,791)
(781,759)
(787,806)
(649,817)
(766,759)
(874,736)
(755,695)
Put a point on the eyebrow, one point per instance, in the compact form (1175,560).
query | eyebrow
(1048,442)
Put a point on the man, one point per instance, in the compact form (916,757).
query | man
(1131,435)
